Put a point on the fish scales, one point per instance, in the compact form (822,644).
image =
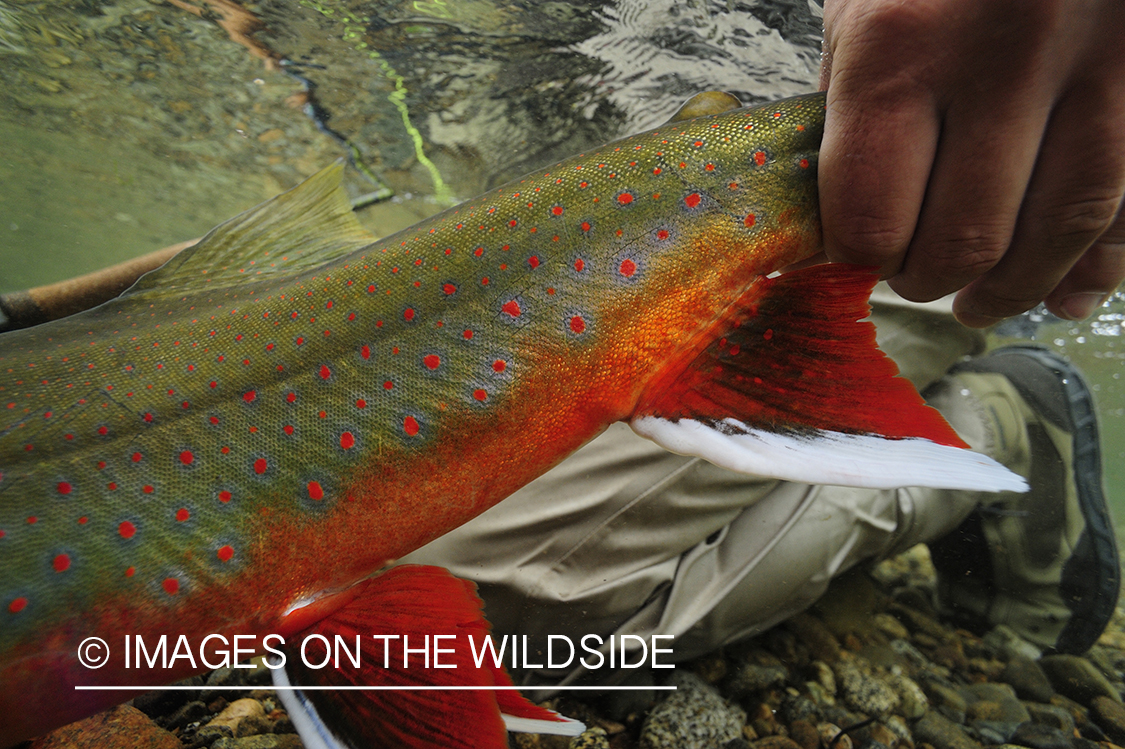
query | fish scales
(267,426)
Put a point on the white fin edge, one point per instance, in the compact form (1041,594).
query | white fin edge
(826,457)
(312,730)
(564,727)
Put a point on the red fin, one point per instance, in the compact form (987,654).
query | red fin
(414,602)
(792,358)
(790,385)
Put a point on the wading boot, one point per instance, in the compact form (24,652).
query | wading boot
(1044,563)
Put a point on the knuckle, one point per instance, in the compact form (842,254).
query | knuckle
(1076,223)
(968,250)
(871,238)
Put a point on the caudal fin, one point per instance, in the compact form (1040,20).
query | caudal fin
(398,695)
(792,386)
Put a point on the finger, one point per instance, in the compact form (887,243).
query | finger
(983,166)
(1073,198)
(1093,278)
(874,162)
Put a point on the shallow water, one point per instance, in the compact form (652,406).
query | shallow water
(127,126)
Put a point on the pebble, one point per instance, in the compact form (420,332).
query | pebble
(1077,678)
(241,717)
(804,734)
(269,741)
(692,717)
(1028,679)
(995,702)
(123,727)
(1052,715)
(862,691)
(592,738)
(942,733)
(1038,736)
(1110,717)
(753,678)
(831,738)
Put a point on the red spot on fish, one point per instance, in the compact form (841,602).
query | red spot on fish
(127,529)
(17,605)
(187,458)
(480,394)
(804,163)
(585,226)
(249,396)
(288,429)
(448,288)
(628,268)
(410,426)
(691,201)
(735,349)
(408,315)
(388,385)
(662,234)
(130,571)
(81,521)
(64,487)
(290,397)
(625,198)
(61,563)
(214,420)
(759,158)
(432,361)
(103,431)
(182,515)
(657,170)
(171,586)
(579,264)
(709,167)
(365,351)
(768,334)
(325,372)
(499,365)
(147,489)
(533,261)
(136,458)
(468,335)
(511,307)
(577,325)
(347,441)
(224,496)
(750,220)
(557,210)
(361,403)
(225,553)
(260,466)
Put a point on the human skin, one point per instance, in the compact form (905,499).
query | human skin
(978,145)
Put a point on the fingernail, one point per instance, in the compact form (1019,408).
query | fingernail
(1081,306)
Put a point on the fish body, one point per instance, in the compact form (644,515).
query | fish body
(291,405)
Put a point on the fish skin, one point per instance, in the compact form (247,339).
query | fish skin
(240,433)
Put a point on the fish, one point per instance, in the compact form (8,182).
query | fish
(244,441)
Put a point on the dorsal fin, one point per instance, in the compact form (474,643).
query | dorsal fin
(288,234)
(707,102)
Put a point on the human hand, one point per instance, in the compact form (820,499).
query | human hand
(978,145)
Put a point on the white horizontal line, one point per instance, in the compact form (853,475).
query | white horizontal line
(174,687)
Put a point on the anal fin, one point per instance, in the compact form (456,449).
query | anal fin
(455,706)
(792,386)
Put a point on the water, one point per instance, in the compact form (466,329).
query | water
(127,126)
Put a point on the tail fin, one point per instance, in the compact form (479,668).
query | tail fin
(409,689)
(792,386)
